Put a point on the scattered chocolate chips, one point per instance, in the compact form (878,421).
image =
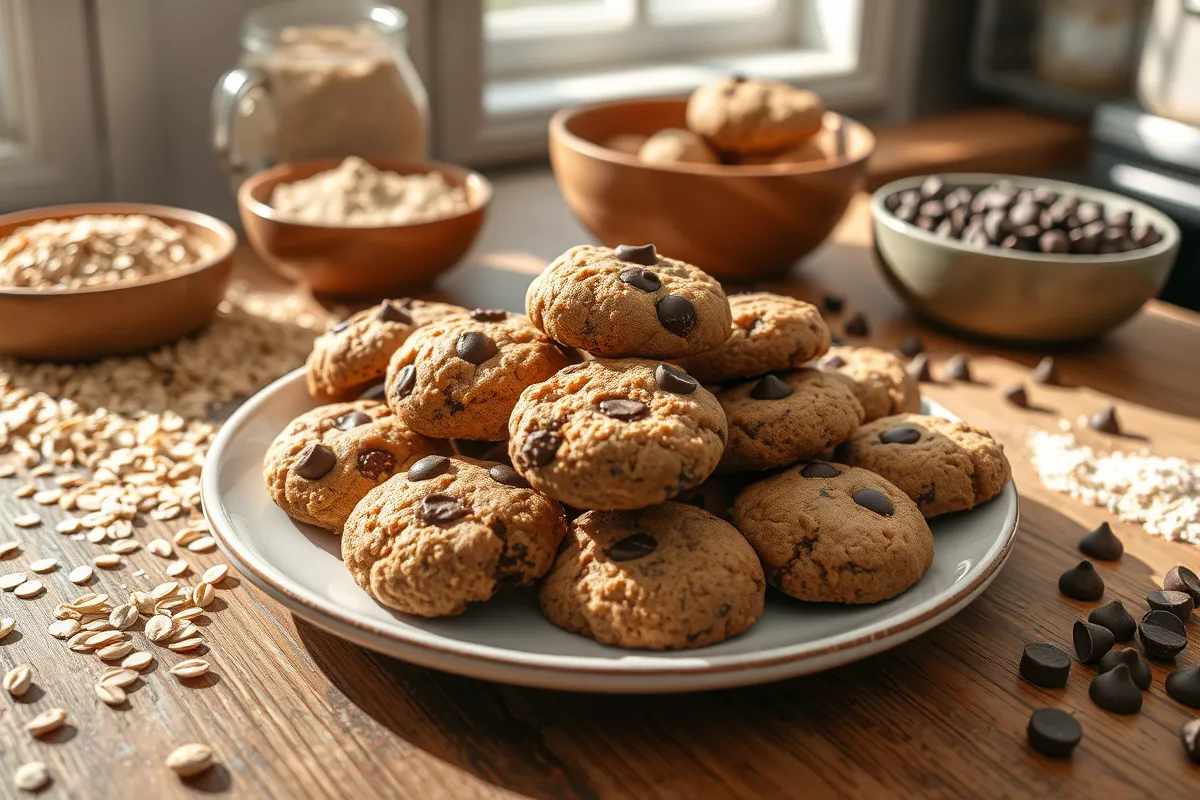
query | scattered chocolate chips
(1091,641)
(1115,691)
(489,315)
(833,362)
(315,462)
(1102,544)
(770,387)
(901,434)
(911,346)
(631,547)
(351,419)
(1189,734)
(857,325)
(507,476)
(1081,582)
(624,410)
(428,467)
(1182,579)
(1045,665)
(390,312)
(1139,670)
(1053,732)
(672,379)
(341,326)
(643,254)
(541,447)
(1178,603)
(1184,686)
(677,314)
(1114,616)
(406,380)
(1163,635)
(439,508)
(1046,372)
(958,368)
(918,368)
(819,469)
(1017,396)
(1105,420)
(874,500)
(376,464)
(474,347)
(642,279)
(833,303)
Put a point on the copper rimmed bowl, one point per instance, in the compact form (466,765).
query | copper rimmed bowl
(98,321)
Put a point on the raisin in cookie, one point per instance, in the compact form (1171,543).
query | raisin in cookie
(743,116)
(879,379)
(450,532)
(942,465)
(460,378)
(829,533)
(783,417)
(771,332)
(666,577)
(327,459)
(616,434)
(353,355)
(628,302)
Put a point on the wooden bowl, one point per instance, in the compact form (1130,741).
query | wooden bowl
(738,222)
(345,260)
(99,321)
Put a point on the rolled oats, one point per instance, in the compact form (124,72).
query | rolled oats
(46,722)
(190,759)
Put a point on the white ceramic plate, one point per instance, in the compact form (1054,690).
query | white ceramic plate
(509,640)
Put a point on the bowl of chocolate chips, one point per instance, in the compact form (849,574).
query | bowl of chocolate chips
(1020,258)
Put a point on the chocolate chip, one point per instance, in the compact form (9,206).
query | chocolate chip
(540,448)
(1081,582)
(1045,665)
(351,419)
(1115,691)
(911,346)
(672,379)
(1163,635)
(677,314)
(428,467)
(406,380)
(642,279)
(624,410)
(1105,420)
(770,387)
(833,362)
(1102,544)
(390,312)
(1178,603)
(1189,734)
(918,368)
(1089,212)
(507,476)
(1054,241)
(475,348)
(931,187)
(958,368)
(1184,686)
(1046,372)
(1139,670)
(857,325)
(1017,396)
(489,315)
(341,326)
(1091,641)
(901,434)
(874,500)
(833,303)
(1023,214)
(631,547)
(1053,732)
(819,469)
(1144,235)
(637,254)
(376,464)
(1182,579)
(438,508)
(1116,618)
(315,462)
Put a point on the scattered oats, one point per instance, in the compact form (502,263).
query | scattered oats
(215,574)
(185,536)
(123,617)
(105,637)
(101,624)
(9,549)
(48,721)
(7,624)
(107,560)
(93,603)
(48,497)
(97,519)
(27,521)
(188,613)
(32,776)
(139,573)
(124,546)
(203,594)
(160,548)
(115,651)
(66,612)
(202,545)
(137,661)
(25,492)
(119,676)
(18,680)
(164,513)
(192,668)
(184,645)
(143,601)
(168,606)
(68,480)
(68,525)
(80,575)
(178,567)
(97,535)
(110,695)
(28,589)
(159,627)
(42,470)
(185,631)
(43,565)
(7,470)
(87,502)
(164,590)
(64,628)
(190,759)
(12,580)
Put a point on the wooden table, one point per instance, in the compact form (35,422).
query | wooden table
(295,712)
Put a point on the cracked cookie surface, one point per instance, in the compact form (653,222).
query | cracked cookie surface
(460,378)
(449,533)
(616,434)
(770,332)
(353,355)
(628,302)
(879,379)
(754,116)
(831,533)
(941,464)
(666,577)
(327,459)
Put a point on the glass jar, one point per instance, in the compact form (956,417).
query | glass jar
(1088,45)
(319,80)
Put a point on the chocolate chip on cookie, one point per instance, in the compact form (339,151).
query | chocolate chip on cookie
(874,500)
(633,546)
(351,419)
(376,464)
(624,410)
(405,381)
(507,476)
(670,379)
(428,467)
(439,508)
(393,312)
(901,434)
(540,447)
(315,462)
(643,254)
(819,469)
(642,279)
(489,315)
(677,314)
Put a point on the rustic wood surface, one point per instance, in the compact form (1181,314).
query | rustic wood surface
(293,712)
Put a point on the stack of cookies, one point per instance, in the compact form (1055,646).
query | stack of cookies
(689,437)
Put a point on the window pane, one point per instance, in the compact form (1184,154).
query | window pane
(519,19)
(679,12)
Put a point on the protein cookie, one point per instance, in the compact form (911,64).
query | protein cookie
(353,355)
(616,434)
(327,459)
(628,302)
(666,577)
(784,417)
(450,532)
(460,378)
(770,333)
(942,465)
(743,116)
(829,533)
(879,379)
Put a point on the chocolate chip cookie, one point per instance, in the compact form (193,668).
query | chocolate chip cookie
(450,532)
(744,116)
(460,378)
(327,459)
(666,577)
(353,355)
(783,417)
(616,434)
(628,302)
(829,533)
(879,379)
(942,465)
(771,332)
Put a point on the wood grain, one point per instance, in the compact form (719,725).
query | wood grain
(296,713)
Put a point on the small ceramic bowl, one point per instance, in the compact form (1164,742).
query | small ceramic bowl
(98,321)
(348,261)
(1018,295)
(735,222)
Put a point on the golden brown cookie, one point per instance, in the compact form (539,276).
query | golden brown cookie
(737,115)
(616,434)
(627,143)
(450,532)
(327,459)
(829,533)
(676,146)
(942,465)
(666,577)
(879,379)
(770,332)
(628,302)
(353,355)
(460,378)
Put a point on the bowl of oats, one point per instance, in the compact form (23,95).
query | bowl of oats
(82,282)
(359,226)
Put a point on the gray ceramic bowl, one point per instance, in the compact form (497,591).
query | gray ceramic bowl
(1018,295)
